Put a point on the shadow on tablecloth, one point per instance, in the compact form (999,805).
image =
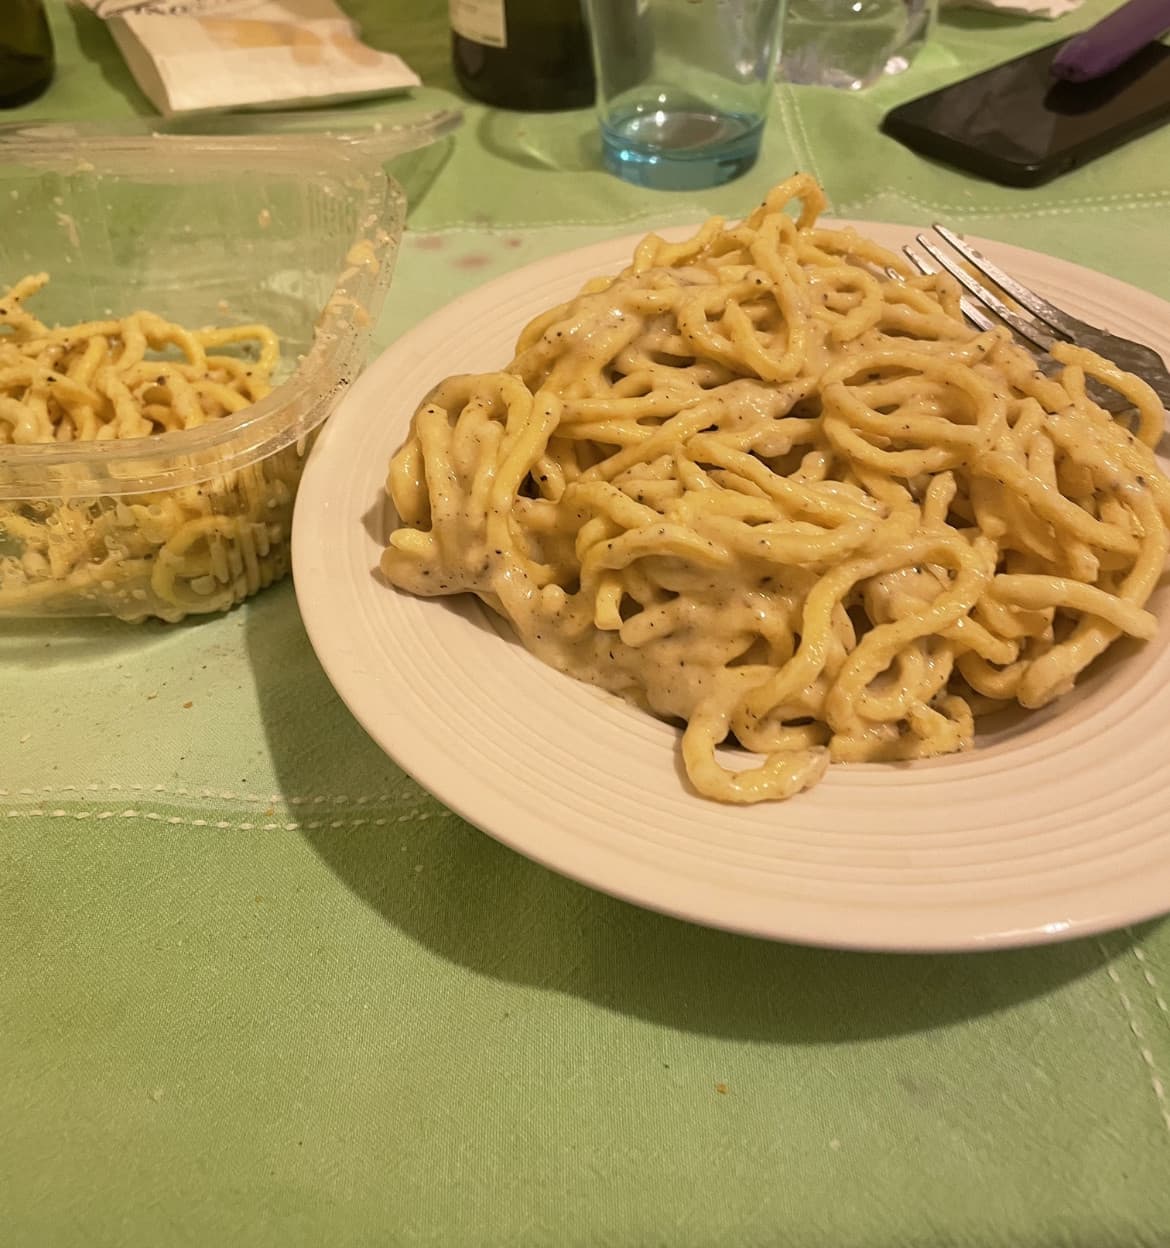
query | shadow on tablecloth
(472,901)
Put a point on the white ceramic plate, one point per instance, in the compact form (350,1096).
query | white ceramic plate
(1056,826)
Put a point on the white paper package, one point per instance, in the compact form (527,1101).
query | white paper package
(191,56)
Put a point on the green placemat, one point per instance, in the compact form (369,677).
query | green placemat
(258,988)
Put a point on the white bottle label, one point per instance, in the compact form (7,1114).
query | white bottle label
(481,21)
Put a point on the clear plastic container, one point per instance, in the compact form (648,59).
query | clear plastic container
(295,231)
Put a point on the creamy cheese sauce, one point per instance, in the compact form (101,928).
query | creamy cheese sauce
(758,485)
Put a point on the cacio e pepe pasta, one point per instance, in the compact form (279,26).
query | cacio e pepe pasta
(770,483)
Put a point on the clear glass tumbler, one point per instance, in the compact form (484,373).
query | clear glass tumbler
(852,43)
(683,86)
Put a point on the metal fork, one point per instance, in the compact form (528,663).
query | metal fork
(1046,325)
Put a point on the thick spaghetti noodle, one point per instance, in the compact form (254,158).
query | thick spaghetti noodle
(194,549)
(770,483)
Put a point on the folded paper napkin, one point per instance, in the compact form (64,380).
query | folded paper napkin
(1021,8)
(192,56)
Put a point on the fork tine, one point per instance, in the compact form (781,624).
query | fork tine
(1135,357)
(971,311)
(1058,319)
(1108,399)
(1025,328)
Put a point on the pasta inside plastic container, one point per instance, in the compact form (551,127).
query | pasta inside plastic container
(292,231)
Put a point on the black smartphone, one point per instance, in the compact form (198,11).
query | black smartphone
(1018,125)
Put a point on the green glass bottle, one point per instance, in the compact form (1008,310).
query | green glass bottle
(531,55)
(26,51)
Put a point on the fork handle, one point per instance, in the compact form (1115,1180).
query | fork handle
(1112,41)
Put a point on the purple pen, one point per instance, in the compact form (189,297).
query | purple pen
(1112,41)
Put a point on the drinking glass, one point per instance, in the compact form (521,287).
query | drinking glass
(852,43)
(683,86)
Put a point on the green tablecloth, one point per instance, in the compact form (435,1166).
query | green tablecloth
(259,989)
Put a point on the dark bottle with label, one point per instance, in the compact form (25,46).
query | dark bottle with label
(26,51)
(531,55)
